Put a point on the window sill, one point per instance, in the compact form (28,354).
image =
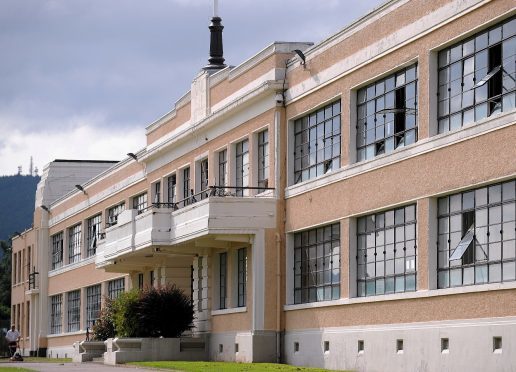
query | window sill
(71,266)
(233,310)
(420,147)
(424,293)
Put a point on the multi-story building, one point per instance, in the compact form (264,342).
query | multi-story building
(349,204)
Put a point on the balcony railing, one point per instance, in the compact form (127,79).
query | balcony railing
(220,191)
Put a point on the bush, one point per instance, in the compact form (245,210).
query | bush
(164,312)
(126,317)
(104,327)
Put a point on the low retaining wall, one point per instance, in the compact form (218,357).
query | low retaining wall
(123,350)
(85,351)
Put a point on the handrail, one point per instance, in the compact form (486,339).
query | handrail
(211,191)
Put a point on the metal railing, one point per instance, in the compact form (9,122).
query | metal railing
(33,279)
(211,191)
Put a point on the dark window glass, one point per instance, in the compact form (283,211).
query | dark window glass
(74,311)
(57,251)
(242,276)
(242,167)
(223,279)
(94,234)
(74,244)
(93,303)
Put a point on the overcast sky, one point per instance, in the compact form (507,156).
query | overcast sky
(81,79)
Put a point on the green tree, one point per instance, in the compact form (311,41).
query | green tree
(5,280)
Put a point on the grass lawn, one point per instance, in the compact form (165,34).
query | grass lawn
(14,369)
(225,366)
(36,360)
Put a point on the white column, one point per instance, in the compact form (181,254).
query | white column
(258,275)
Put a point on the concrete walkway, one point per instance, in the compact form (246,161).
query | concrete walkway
(74,367)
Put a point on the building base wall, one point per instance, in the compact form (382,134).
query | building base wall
(461,345)
(244,347)
(60,352)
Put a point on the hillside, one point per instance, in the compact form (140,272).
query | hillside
(16,203)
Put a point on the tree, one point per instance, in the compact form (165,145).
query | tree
(5,280)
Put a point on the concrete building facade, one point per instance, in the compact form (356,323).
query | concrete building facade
(348,205)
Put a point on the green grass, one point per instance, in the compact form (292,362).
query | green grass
(37,360)
(225,366)
(14,369)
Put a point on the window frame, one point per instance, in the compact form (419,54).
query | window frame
(93,304)
(115,288)
(242,167)
(94,225)
(263,158)
(74,243)
(73,303)
(241,277)
(140,202)
(56,314)
(113,213)
(57,251)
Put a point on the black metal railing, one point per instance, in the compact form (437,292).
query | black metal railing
(211,191)
(33,279)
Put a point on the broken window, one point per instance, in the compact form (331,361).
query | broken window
(317,143)
(476,236)
(477,77)
(387,114)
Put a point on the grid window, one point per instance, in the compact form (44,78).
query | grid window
(317,143)
(74,244)
(93,299)
(477,77)
(56,314)
(74,311)
(387,114)
(115,288)
(223,259)
(263,159)
(386,252)
(242,167)
(242,276)
(317,264)
(113,214)
(186,186)
(199,282)
(93,234)
(171,184)
(476,234)
(157,192)
(204,178)
(223,162)
(140,281)
(140,203)
(57,251)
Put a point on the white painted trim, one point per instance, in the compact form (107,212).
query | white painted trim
(72,266)
(403,36)
(233,310)
(421,147)
(65,334)
(405,296)
(258,280)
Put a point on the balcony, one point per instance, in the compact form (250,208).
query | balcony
(216,211)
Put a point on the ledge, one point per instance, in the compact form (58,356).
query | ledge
(72,266)
(233,310)
(424,293)
(76,333)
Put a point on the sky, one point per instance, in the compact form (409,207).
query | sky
(81,79)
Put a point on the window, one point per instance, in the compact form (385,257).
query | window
(477,77)
(171,182)
(476,236)
(204,178)
(74,311)
(445,345)
(223,162)
(74,243)
(93,299)
(387,114)
(140,281)
(317,143)
(386,252)
(242,276)
(57,251)
(113,214)
(151,277)
(157,192)
(242,167)
(199,283)
(223,257)
(56,314)
(94,234)
(115,288)
(186,186)
(140,203)
(317,264)
(263,159)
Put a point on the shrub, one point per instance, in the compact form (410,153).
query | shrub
(104,327)
(126,317)
(164,312)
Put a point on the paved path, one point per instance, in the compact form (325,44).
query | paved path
(74,367)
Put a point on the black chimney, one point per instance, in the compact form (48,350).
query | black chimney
(216,60)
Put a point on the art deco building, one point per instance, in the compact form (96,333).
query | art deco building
(348,205)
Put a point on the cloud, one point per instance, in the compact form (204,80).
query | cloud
(83,138)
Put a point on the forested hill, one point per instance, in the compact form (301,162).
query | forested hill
(16,203)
